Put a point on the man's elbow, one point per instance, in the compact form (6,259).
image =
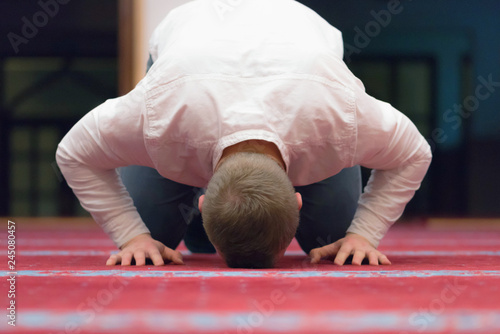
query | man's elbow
(427,153)
(63,158)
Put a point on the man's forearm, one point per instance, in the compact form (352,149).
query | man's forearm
(103,195)
(386,195)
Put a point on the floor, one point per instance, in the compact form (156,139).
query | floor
(445,278)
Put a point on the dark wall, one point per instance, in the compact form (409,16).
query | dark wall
(79,27)
(58,60)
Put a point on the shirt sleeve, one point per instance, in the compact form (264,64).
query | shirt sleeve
(390,144)
(108,137)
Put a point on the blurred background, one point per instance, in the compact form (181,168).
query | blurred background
(438,61)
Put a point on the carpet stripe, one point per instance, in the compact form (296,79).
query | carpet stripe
(254,273)
(271,321)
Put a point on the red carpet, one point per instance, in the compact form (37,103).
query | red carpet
(441,281)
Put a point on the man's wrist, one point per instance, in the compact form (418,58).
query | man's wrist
(142,235)
(360,236)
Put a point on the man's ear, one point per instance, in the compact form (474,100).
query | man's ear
(299,200)
(200,202)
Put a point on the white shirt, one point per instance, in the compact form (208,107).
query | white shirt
(222,74)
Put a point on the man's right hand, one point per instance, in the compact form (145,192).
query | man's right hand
(142,247)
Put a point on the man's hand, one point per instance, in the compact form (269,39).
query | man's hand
(142,247)
(352,244)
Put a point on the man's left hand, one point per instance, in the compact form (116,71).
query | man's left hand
(352,244)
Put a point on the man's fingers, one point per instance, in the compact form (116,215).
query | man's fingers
(172,255)
(155,256)
(373,258)
(342,255)
(143,247)
(354,245)
(359,256)
(113,260)
(177,258)
(329,250)
(383,259)
(140,258)
(126,259)
(315,255)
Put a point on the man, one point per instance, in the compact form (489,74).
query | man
(253,102)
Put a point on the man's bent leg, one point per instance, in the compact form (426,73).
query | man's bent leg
(328,208)
(196,238)
(165,206)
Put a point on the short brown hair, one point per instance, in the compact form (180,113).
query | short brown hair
(250,211)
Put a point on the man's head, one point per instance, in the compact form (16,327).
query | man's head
(250,210)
